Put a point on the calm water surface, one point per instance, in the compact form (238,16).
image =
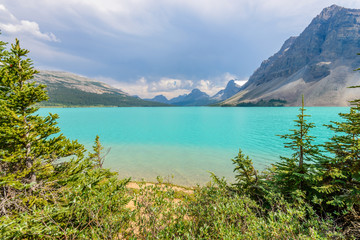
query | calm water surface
(187,143)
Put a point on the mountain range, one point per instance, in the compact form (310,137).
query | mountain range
(199,98)
(318,64)
(194,98)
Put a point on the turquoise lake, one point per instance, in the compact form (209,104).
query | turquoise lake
(183,144)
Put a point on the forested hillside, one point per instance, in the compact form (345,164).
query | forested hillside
(67,89)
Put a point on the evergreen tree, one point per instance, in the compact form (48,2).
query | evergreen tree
(28,147)
(97,156)
(292,173)
(41,197)
(247,178)
(340,169)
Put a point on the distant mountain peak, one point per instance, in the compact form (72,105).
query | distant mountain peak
(159,98)
(231,83)
(194,98)
(231,89)
(197,92)
(329,12)
(333,7)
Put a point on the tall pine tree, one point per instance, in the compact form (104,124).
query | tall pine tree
(40,196)
(28,147)
(292,173)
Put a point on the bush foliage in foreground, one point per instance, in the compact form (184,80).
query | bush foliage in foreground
(42,197)
(50,188)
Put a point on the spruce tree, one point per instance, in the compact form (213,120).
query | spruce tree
(340,168)
(292,173)
(97,156)
(30,144)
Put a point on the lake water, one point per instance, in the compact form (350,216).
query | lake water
(183,144)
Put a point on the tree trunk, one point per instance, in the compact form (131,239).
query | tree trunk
(28,160)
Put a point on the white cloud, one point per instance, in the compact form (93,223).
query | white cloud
(11,26)
(171,87)
(241,82)
(228,76)
(27,27)
(213,85)
(139,88)
(170,84)
(168,87)
(142,81)
(209,87)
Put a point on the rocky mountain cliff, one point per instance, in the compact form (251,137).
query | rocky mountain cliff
(230,90)
(318,63)
(68,89)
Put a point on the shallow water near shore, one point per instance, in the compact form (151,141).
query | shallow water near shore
(183,144)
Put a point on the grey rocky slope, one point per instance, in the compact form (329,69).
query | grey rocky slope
(319,63)
(68,89)
(230,90)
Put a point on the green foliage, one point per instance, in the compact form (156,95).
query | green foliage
(29,148)
(247,179)
(300,140)
(294,173)
(263,103)
(214,212)
(327,183)
(246,175)
(86,202)
(338,179)
(97,157)
(48,188)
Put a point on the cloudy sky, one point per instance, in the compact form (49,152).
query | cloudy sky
(150,47)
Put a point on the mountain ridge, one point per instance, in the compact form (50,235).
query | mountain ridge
(199,98)
(68,89)
(230,90)
(194,98)
(318,64)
